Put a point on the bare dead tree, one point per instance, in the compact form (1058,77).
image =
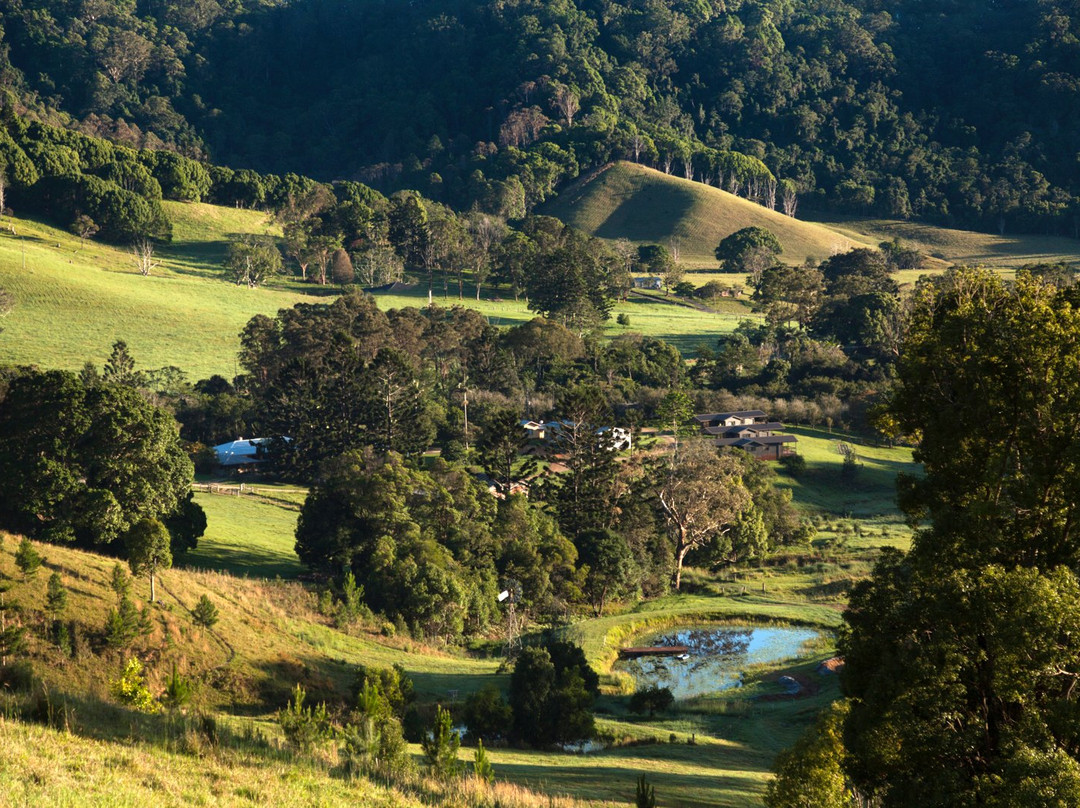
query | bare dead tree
(567,102)
(770,193)
(142,250)
(789,200)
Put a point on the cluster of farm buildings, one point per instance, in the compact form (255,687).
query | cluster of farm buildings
(749,430)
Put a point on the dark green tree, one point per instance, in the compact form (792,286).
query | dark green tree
(976,624)
(552,690)
(27,559)
(652,700)
(205,612)
(811,772)
(55,597)
(85,463)
(751,250)
(611,571)
(500,446)
(487,714)
(120,366)
(441,746)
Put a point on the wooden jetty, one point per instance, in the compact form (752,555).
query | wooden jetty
(653,650)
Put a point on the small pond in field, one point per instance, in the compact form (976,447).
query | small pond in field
(716,657)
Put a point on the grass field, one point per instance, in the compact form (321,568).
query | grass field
(630,201)
(683,326)
(246,536)
(73,300)
(946,246)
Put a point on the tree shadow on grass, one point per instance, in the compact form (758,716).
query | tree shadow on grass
(241,562)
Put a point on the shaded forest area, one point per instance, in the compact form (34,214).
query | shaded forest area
(958,112)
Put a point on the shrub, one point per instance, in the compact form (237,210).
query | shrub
(130,688)
(794,465)
(178,691)
(441,747)
(645,796)
(120,582)
(393,684)
(623,319)
(374,741)
(482,768)
(55,597)
(652,699)
(27,559)
(304,727)
(486,714)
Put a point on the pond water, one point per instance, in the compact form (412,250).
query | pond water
(717,656)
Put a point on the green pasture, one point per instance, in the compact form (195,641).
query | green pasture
(654,316)
(73,300)
(946,246)
(247,536)
(871,494)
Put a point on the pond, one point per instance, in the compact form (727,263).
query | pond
(716,657)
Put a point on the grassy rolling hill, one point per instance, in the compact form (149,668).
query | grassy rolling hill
(72,300)
(946,246)
(626,200)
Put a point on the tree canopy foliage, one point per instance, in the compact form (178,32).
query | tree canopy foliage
(86,463)
(962,656)
(892,109)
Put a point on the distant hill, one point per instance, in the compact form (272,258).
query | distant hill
(627,200)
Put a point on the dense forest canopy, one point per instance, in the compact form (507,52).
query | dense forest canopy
(956,111)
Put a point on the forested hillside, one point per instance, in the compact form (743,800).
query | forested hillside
(959,111)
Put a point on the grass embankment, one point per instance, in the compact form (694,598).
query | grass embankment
(40,766)
(646,206)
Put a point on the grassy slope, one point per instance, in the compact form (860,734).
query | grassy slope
(946,246)
(246,536)
(73,300)
(682,326)
(39,766)
(641,204)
